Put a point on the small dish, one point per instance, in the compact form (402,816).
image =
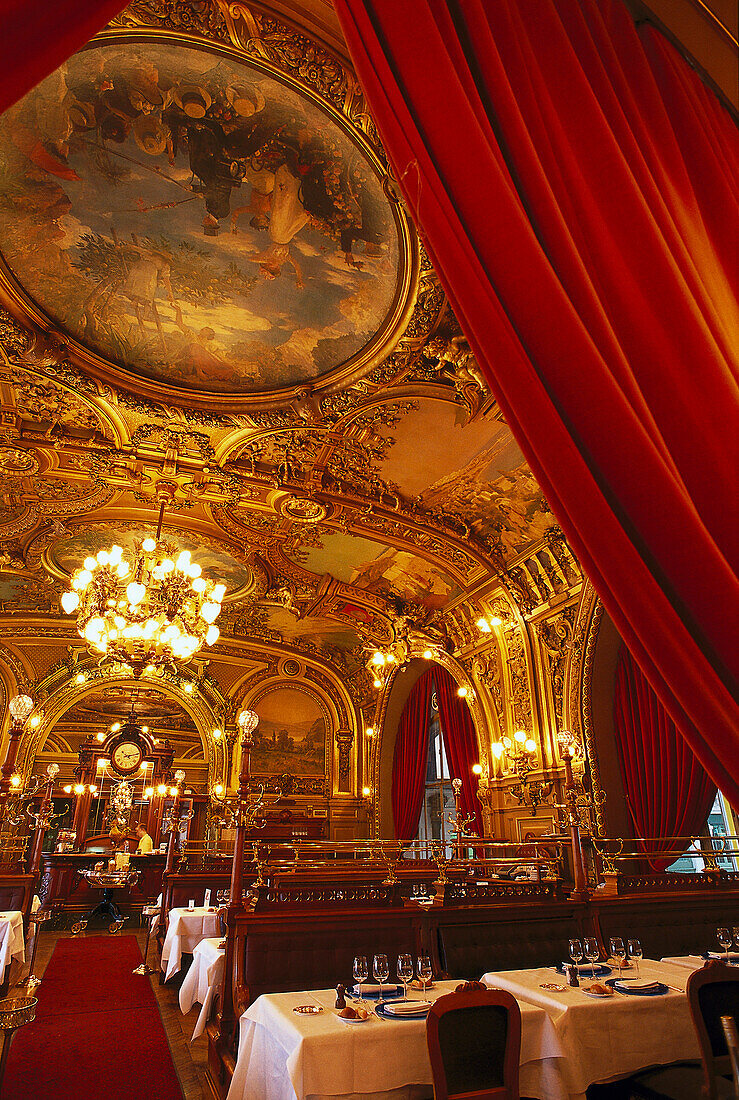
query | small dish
(553,986)
(352,1019)
(598,992)
(308,1010)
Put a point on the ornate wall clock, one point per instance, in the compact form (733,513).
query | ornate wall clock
(126,757)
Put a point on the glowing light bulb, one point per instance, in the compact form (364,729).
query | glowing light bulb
(370,731)
(161,789)
(70,602)
(427,654)
(80,678)
(213,635)
(100,736)
(148,793)
(115,727)
(15,781)
(462,692)
(210,612)
(378,683)
(67,789)
(93,789)
(477,769)
(366,791)
(530,745)
(217,735)
(219,789)
(520,736)
(149,545)
(135,593)
(483,625)
(90,564)
(174,791)
(79,789)
(378,659)
(496,621)
(218,592)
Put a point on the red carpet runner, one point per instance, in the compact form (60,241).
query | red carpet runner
(97,1032)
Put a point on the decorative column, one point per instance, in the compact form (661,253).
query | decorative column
(248,722)
(580,892)
(20,707)
(83,775)
(43,820)
(344,740)
(173,821)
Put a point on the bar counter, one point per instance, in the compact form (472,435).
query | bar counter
(63,890)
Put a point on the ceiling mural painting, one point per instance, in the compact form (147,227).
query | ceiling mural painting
(190,218)
(64,556)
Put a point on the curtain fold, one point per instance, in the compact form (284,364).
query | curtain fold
(460,743)
(668,792)
(37,38)
(577,188)
(409,759)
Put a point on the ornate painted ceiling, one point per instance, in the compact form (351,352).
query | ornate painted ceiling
(210,291)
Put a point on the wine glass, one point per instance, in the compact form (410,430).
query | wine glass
(618,951)
(425,973)
(735,933)
(723,935)
(381,971)
(405,972)
(576,953)
(635,952)
(592,952)
(361,972)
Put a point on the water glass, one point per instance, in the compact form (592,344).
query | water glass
(405,972)
(735,933)
(360,971)
(576,953)
(425,973)
(618,951)
(381,971)
(635,952)
(724,937)
(592,951)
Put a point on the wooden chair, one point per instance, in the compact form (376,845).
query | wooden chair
(474,1041)
(713,992)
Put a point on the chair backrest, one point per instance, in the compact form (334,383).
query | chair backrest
(474,1041)
(713,992)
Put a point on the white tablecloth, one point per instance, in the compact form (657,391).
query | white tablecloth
(283,1056)
(603,1040)
(11,939)
(202,980)
(186,928)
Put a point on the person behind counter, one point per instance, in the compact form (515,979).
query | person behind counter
(146,844)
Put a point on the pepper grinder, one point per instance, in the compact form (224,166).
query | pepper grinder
(572,977)
(340,998)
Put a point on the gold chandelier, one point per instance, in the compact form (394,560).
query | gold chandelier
(146,610)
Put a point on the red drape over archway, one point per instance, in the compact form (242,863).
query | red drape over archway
(37,38)
(460,743)
(668,793)
(409,759)
(576,186)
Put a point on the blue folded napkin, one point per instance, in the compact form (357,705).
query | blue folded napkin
(371,991)
(597,970)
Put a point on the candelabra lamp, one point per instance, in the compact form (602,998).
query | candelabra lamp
(517,756)
(457,823)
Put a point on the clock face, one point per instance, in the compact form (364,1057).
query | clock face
(127,757)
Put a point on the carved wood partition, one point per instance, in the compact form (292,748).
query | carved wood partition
(304,937)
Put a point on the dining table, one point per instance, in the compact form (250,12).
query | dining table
(603,1039)
(185,930)
(287,1056)
(695,962)
(202,980)
(12,942)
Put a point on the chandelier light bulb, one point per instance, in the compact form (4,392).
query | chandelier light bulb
(484,626)
(149,545)
(161,789)
(496,621)
(213,635)
(219,790)
(378,659)
(67,789)
(15,781)
(427,655)
(378,683)
(520,736)
(148,792)
(210,612)
(530,745)
(20,707)
(70,602)
(100,736)
(90,564)
(497,749)
(462,692)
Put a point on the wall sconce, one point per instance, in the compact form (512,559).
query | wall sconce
(517,756)
(370,732)
(570,746)
(485,626)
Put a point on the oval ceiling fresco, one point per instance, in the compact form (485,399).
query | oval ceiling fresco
(67,554)
(201,224)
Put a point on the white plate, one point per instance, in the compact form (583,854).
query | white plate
(349,1020)
(601,996)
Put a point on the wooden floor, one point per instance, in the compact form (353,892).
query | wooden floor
(190,1059)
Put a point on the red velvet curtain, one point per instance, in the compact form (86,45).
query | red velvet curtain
(38,37)
(460,743)
(667,790)
(409,760)
(576,186)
